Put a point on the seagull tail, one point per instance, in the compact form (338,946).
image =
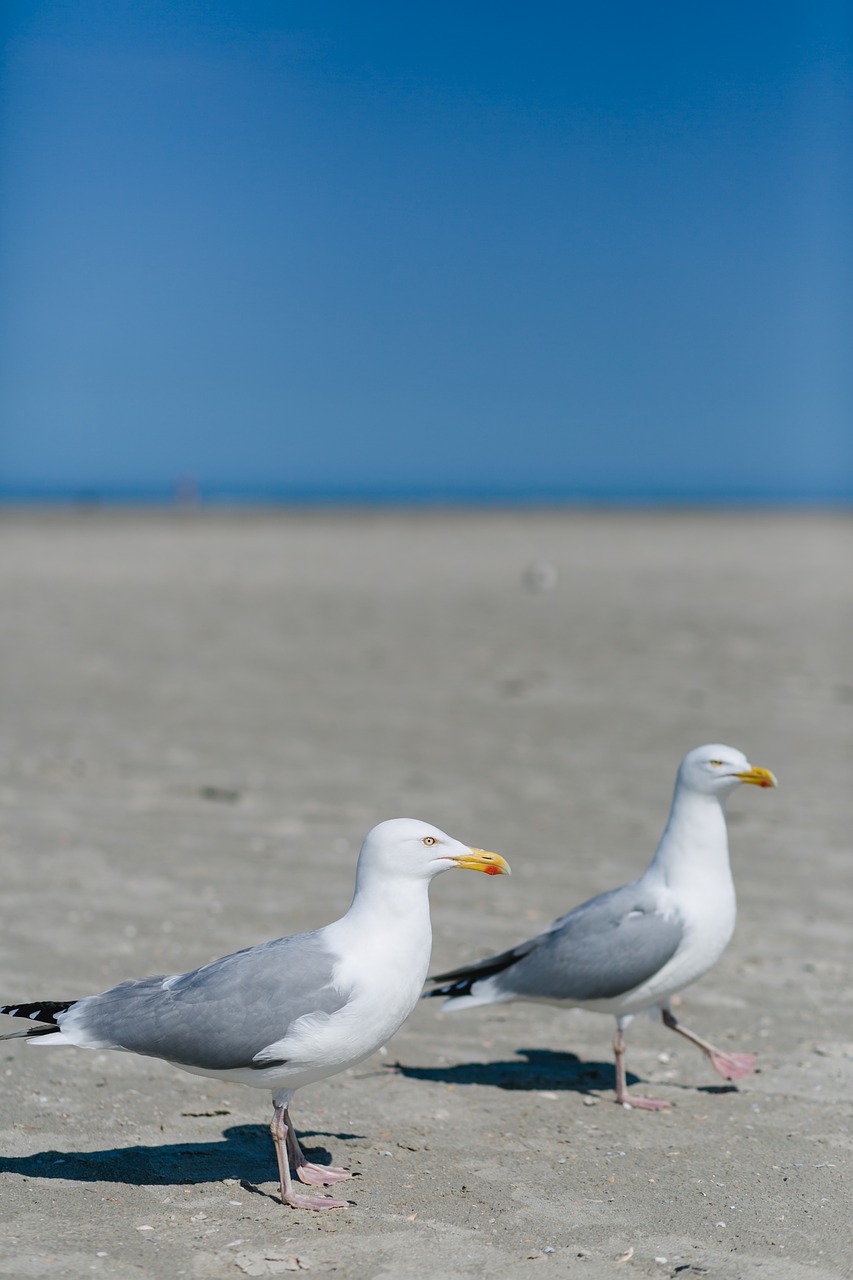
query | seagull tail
(458,985)
(461,995)
(43,1012)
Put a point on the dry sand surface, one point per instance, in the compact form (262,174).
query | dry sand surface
(203,715)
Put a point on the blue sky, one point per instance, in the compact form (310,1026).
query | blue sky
(372,250)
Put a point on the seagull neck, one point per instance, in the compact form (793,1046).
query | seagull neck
(379,897)
(695,840)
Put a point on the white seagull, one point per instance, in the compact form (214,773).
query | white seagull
(635,947)
(288,1012)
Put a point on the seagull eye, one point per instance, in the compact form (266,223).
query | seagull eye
(430,840)
(715,763)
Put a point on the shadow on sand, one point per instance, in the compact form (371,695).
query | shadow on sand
(244,1153)
(543,1069)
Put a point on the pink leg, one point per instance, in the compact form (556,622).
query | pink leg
(315,1175)
(731,1066)
(280,1128)
(623,1097)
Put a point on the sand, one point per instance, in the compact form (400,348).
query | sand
(202,716)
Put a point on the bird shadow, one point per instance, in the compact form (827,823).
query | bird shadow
(244,1154)
(543,1069)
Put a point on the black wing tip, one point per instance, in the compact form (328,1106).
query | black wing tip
(459,982)
(452,990)
(43,1011)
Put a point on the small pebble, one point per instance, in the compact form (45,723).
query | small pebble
(541,576)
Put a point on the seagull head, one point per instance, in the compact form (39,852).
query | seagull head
(717,770)
(416,850)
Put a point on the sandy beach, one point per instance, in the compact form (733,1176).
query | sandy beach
(203,714)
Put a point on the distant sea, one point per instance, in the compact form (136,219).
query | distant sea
(189,494)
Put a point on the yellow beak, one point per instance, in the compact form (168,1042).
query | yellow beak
(758,777)
(479,860)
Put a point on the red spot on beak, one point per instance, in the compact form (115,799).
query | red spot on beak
(492,871)
(764,784)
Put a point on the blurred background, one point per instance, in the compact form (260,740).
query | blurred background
(315,252)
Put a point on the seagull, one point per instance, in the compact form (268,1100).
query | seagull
(633,948)
(286,1013)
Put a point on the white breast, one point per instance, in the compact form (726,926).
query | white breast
(383,972)
(708,907)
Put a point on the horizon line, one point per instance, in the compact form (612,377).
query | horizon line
(183,497)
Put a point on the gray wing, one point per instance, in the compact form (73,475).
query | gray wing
(601,949)
(217,1017)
